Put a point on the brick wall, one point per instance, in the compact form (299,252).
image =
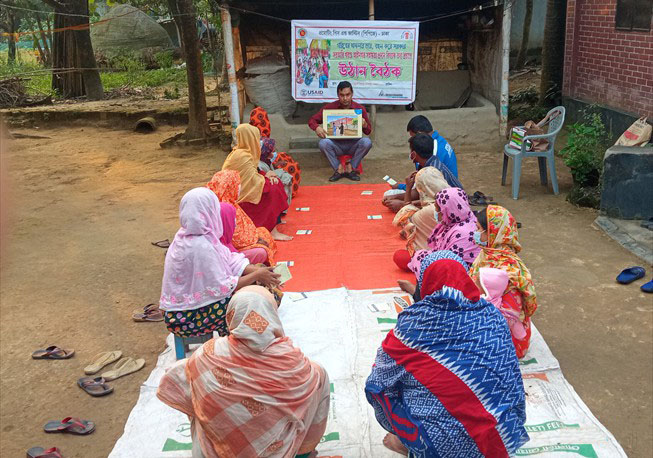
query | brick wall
(604,65)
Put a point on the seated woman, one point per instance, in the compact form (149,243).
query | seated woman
(262,197)
(259,119)
(256,243)
(265,165)
(200,273)
(446,381)
(253,393)
(426,261)
(454,231)
(497,233)
(418,223)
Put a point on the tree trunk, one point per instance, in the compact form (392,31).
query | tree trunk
(72,49)
(526,32)
(198,124)
(553,50)
(13,23)
(46,46)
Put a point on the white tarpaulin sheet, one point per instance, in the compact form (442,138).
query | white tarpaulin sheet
(342,330)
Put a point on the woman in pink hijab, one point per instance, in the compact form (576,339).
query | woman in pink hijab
(201,273)
(455,228)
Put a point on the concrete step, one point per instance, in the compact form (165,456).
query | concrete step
(304,144)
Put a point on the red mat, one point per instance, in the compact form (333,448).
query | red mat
(344,248)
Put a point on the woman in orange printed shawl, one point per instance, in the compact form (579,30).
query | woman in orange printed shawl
(500,245)
(247,236)
(259,118)
(253,393)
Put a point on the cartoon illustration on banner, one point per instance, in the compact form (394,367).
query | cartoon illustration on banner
(379,58)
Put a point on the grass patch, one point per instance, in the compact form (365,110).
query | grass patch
(40,83)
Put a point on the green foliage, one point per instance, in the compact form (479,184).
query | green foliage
(207,62)
(164,59)
(586,145)
(171,94)
(145,78)
(524,106)
(38,81)
(526,95)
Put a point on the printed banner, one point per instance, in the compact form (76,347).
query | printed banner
(379,59)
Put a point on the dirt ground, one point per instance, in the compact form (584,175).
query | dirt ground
(85,204)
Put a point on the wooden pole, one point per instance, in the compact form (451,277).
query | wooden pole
(234,110)
(505,69)
(373,110)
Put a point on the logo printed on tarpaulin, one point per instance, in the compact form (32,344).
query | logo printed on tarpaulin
(301,33)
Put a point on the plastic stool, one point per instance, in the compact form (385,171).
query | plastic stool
(182,343)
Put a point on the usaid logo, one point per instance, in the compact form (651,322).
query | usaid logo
(311,92)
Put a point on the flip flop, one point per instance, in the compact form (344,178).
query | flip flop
(124,367)
(162,243)
(647,287)
(631,274)
(53,352)
(70,425)
(40,452)
(101,360)
(148,314)
(480,199)
(94,386)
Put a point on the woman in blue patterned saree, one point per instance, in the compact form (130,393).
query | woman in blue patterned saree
(446,380)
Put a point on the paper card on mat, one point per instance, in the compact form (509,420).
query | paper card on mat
(303,209)
(374,217)
(284,272)
(304,232)
(366,193)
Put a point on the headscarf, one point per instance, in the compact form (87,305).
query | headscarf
(253,385)
(456,230)
(246,235)
(417,224)
(428,182)
(259,118)
(448,273)
(448,373)
(199,269)
(267,148)
(501,253)
(228,217)
(428,259)
(244,160)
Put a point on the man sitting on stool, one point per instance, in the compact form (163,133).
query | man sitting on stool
(357,148)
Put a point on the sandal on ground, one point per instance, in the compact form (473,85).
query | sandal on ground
(94,386)
(70,425)
(40,452)
(151,312)
(101,360)
(162,243)
(631,274)
(480,199)
(124,367)
(53,352)
(647,287)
